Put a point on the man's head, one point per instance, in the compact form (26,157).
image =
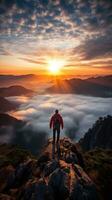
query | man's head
(56,111)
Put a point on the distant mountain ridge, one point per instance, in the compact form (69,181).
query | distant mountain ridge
(100,135)
(6,105)
(23,80)
(8,120)
(103,80)
(15,90)
(15,77)
(21,130)
(89,87)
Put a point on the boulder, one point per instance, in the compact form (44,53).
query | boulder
(83,191)
(6,197)
(71,158)
(50,167)
(6,177)
(59,182)
(82,188)
(37,190)
(43,159)
(18,176)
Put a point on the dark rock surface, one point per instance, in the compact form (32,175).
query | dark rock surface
(46,178)
(98,165)
(6,105)
(15,90)
(100,135)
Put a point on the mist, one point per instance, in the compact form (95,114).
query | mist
(79,112)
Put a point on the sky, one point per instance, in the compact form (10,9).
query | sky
(75,33)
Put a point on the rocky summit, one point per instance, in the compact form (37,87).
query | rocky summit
(57,174)
(99,136)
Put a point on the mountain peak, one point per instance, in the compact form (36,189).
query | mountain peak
(100,135)
(61,177)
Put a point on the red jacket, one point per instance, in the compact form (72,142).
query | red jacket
(52,120)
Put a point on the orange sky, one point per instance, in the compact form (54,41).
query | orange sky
(39,62)
(34,33)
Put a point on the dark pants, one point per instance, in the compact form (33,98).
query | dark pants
(54,134)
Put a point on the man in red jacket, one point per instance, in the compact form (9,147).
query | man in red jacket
(55,122)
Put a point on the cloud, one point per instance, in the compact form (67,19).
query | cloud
(25,136)
(96,47)
(81,26)
(79,112)
(4,52)
(33,61)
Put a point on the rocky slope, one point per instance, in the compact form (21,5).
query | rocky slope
(98,165)
(6,105)
(49,177)
(15,90)
(8,120)
(100,135)
(18,132)
(69,171)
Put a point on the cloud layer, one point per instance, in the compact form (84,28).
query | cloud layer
(79,112)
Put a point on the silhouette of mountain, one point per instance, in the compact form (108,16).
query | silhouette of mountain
(6,105)
(27,80)
(97,154)
(15,77)
(102,80)
(100,135)
(8,120)
(84,87)
(20,133)
(15,90)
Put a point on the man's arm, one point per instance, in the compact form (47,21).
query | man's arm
(62,124)
(51,122)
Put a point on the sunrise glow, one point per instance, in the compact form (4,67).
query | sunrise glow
(55,66)
(38,37)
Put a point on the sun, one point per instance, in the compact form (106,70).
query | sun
(55,65)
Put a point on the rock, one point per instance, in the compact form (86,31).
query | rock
(27,190)
(100,135)
(83,188)
(67,143)
(83,191)
(6,197)
(81,174)
(59,182)
(42,160)
(37,191)
(19,176)
(14,192)
(80,160)
(42,191)
(47,178)
(50,167)
(6,176)
(71,158)
(23,173)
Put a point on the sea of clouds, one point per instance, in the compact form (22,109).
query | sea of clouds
(79,112)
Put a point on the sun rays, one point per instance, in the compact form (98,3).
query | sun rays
(55,66)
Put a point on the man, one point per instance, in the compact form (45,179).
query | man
(56,122)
